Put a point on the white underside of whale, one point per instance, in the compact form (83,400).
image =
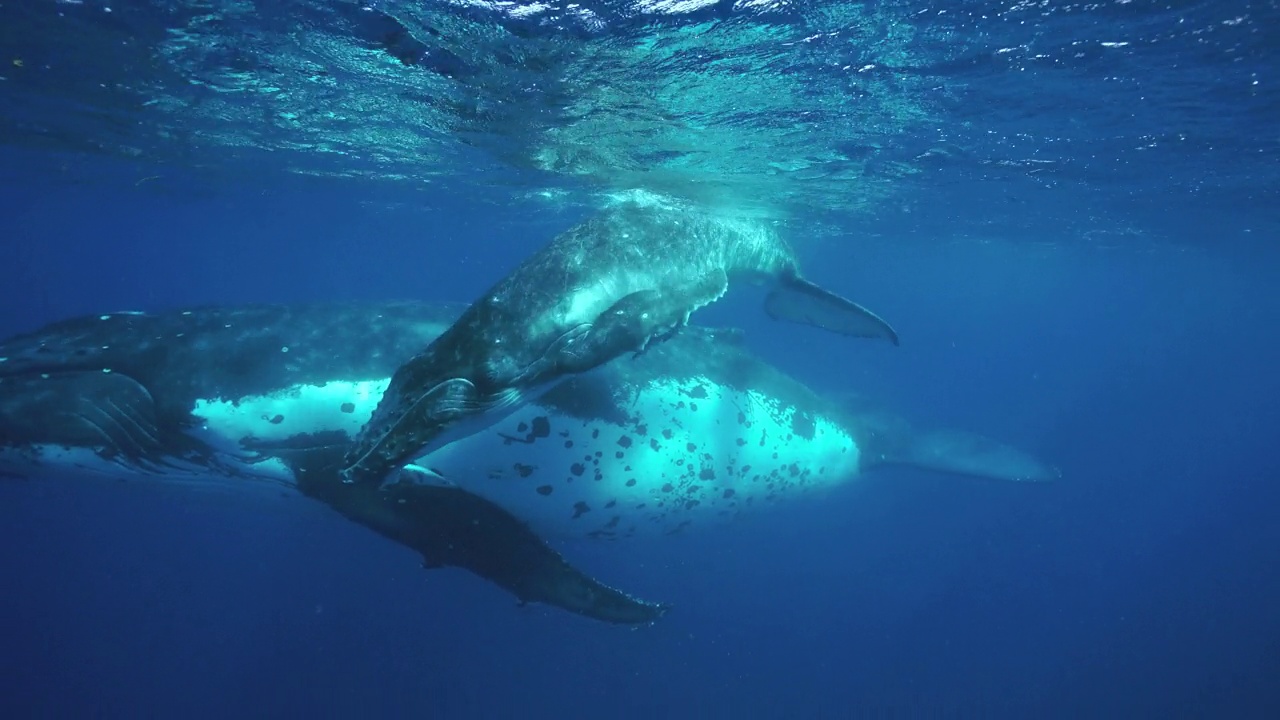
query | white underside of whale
(687,462)
(696,452)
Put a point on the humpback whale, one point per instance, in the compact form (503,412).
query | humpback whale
(696,431)
(120,395)
(616,283)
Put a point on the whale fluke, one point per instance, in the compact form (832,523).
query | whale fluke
(800,301)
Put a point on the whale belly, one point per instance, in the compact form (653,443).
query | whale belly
(679,453)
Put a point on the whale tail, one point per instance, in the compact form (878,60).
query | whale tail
(800,301)
(962,453)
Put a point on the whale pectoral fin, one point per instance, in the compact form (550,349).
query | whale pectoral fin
(800,301)
(641,318)
(971,455)
(111,412)
(449,526)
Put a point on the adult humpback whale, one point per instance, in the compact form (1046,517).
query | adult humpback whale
(695,431)
(121,395)
(610,285)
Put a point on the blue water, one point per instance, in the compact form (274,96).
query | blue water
(1077,242)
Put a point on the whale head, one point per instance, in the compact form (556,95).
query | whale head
(479,371)
(409,423)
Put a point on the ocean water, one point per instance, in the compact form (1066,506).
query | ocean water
(1068,210)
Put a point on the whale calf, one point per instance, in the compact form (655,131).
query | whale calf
(694,432)
(616,283)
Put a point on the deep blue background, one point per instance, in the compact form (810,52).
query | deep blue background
(1145,580)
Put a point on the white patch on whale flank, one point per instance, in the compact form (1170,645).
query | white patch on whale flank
(299,409)
(600,478)
(735,434)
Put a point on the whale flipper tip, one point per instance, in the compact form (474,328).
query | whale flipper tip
(798,300)
(969,454)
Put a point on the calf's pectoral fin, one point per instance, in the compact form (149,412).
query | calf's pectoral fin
(800,301)
(640,318)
